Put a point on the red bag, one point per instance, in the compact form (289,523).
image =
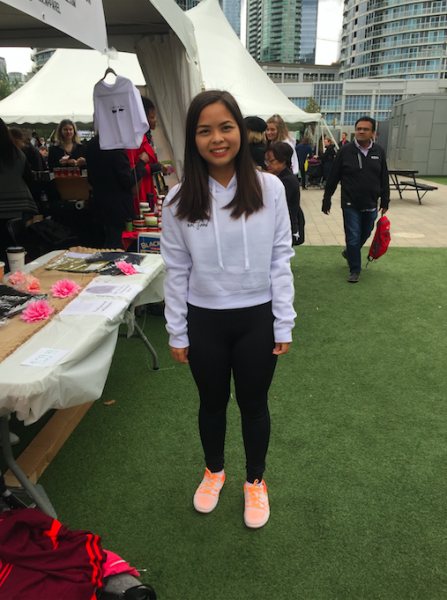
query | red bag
(382,239)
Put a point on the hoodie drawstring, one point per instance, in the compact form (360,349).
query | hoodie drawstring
(244,236)
(216,232)
(216,228)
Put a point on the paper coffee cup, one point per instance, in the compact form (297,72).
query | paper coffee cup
(16,258)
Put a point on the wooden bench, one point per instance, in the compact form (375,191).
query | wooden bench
(419,187)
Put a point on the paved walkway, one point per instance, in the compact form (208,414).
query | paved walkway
(412,224)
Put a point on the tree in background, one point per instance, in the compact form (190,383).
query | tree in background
(312,106)
(8,84)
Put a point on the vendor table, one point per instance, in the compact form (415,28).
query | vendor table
(79,377)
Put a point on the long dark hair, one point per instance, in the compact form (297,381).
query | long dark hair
(7,148)
(194,194)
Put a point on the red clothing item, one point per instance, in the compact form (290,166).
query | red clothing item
(42,559)
(146,185)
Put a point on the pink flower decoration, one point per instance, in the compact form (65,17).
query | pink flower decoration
(64,288)
(17,277)
(126,268)
(36,311)
(32,285)
(24,282)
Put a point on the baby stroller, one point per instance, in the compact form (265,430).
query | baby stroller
(314,174)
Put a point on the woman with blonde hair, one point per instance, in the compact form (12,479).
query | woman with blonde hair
(256,140)
(67,150)
(277,132)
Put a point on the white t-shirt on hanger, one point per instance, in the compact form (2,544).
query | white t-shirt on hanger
(119,114)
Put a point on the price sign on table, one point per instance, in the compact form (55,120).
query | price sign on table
(45,357)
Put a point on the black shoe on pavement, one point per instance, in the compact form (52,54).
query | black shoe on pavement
(353,277)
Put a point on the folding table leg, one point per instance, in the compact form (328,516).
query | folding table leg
(20,475)
(148,345)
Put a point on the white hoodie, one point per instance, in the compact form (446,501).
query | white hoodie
(225,263)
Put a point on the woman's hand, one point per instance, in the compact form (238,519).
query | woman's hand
(63,161)
(72,162)
(281,348)
(180,354)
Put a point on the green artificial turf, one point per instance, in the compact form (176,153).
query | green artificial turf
(357,466)
(441,180)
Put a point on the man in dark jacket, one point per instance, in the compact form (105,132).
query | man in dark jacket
(361,169)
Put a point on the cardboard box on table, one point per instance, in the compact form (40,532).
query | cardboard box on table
(149,243)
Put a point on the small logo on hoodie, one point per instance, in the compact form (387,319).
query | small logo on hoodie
(198,224)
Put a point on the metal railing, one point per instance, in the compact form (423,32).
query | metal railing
(407,14)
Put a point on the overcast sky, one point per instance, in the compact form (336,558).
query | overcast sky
(330,17)
(17,59)
(328,33)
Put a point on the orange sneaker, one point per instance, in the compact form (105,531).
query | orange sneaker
(207,494)
(257,509)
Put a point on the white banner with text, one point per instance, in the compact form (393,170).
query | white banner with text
(81,19)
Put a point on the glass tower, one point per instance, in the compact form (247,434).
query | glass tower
(309,13)
(187,4)
(232,10)
(394,39)
(274,30)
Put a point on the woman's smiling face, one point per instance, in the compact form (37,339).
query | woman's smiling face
(67,132)
(218,138)
(272,132)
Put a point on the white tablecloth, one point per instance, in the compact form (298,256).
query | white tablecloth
(80,376)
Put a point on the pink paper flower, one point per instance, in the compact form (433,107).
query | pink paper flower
(17,277)
(24,282)
(64,288)
(126,268)
(37,311)
(32,285)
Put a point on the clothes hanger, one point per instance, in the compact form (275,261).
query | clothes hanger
(109,70)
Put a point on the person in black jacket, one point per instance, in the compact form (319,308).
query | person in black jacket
(362,170)
(68,150)
(256,139)
(33,156)
(328,157)
(112,180)
(278,159)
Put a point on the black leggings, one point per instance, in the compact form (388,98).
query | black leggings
(238,340)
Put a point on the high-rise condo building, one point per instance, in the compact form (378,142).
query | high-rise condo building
(394,39)
(274,30)
(230,8)
(309,17)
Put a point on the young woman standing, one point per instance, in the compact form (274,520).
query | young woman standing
(226,243)
(277,132)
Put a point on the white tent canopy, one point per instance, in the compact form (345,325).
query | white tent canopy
(63,88)
(173,79)
(227,65)
(179,53)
